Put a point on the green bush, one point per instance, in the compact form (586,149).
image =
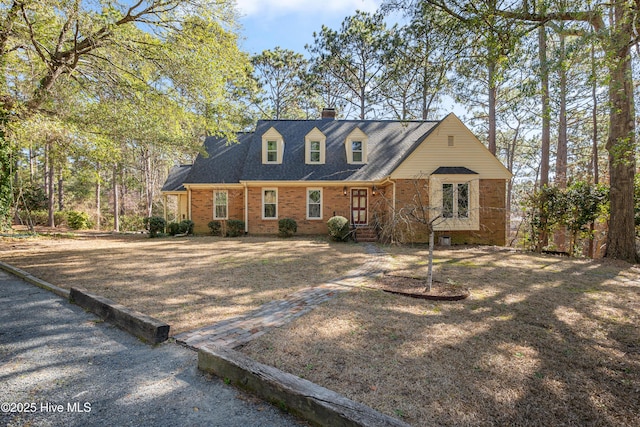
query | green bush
(173,228)
(61,218)
(287,227)
(155,225)
(77,220)
(338,228)
(235,228)
(215,227)
(186,226)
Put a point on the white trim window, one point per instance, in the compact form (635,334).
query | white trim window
(314,203)
(356,147)
(269,203)
(272,151)
(455,200)
(356,151)
(315,143)
(220,204)
(314,152)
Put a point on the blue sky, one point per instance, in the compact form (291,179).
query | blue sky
(290,23)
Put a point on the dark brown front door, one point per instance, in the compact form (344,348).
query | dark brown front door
(358,207)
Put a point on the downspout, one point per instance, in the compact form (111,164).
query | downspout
(246,209)
(189,202)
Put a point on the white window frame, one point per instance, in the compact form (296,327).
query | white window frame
(357,135)
(455,200)
(312,151)
(272,136)
(271,151)
(309,190)
(454,223)
(312,137)
(264,190)
(226,204)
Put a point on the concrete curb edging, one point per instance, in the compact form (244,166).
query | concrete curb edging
(34,280)
(312,402)
(140,325)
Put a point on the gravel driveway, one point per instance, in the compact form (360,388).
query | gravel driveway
(60,366)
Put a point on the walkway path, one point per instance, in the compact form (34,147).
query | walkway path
(63,367)
(237,331)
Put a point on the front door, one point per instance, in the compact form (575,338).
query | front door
(358,206)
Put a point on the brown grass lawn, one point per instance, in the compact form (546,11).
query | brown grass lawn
(186,282)
(541,340)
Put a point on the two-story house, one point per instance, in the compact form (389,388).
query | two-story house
(368,171)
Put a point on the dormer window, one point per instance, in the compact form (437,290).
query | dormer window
(315,142)
(356,151)
(272,152)
(314,152)
(356,147)
(272,147)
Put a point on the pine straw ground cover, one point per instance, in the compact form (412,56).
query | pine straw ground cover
(187,282)
(541,341)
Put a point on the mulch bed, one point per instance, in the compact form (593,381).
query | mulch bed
(415,287)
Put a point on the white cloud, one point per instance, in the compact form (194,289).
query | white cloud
(274,8)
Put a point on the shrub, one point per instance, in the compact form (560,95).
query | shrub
(287,227)
(61,217)
(338,228)
(38,217)
(155,225)
(235,228)
(131,223)
(173,228)
(186,226)
(78,220)
(215,227)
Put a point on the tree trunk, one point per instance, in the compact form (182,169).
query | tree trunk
(51,192)
(98,204)
(561,154)
(546,133)
(492,106)
(621,145)
(560,236)
(116,205)
(60,191)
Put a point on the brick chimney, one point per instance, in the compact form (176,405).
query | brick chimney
(328,114)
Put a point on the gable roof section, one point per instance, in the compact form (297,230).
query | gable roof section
(177,175)
(224,162)
(436,152)
(453,170)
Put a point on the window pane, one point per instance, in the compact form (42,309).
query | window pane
(314,211)
(269,196)
(221,211)
(271,146)
(314,156)
(315,146)
(272,151)
(314,196)
(269,211)
(447,200)
(463,200)
(356,145)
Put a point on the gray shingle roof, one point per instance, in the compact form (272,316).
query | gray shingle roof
(177,175)
(453,170)
(389,143)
